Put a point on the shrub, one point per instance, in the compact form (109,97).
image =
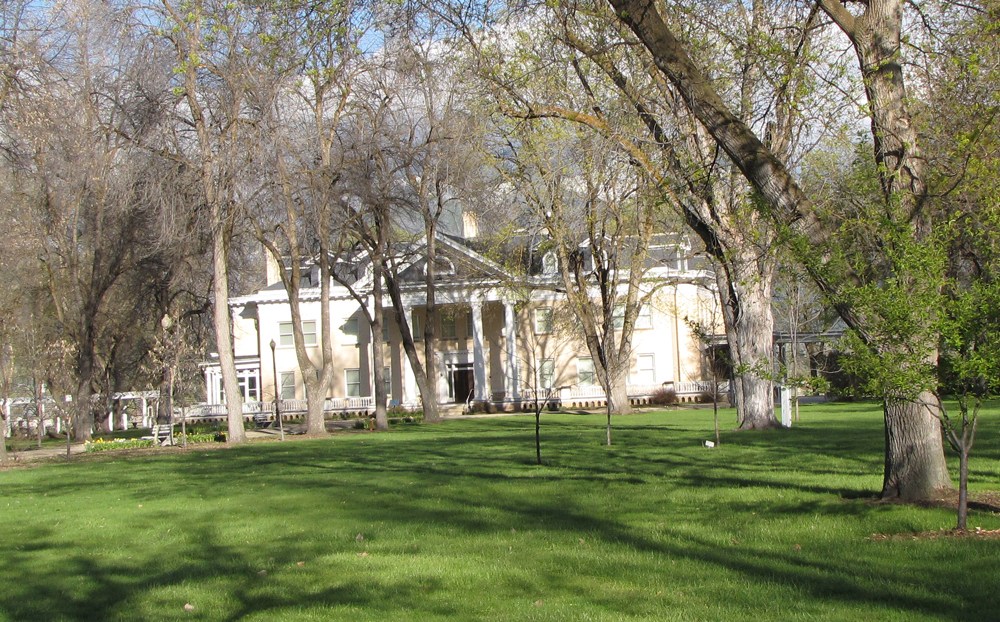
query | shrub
(664,397)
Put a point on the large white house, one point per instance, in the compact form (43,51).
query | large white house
(505,332)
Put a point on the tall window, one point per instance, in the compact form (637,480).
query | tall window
(309,333)
(288,385)
(285,334)
(352,378)
(416,326)
(543,320)
(546,374)
(585,371)
(646,369)
(448,326)
(468,324)
(387,377)
(249,388)
(285,337)
(350,330)
(385,330)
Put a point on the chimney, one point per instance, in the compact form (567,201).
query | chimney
(470,227)
(271,269)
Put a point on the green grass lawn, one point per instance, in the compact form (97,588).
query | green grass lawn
(456,522)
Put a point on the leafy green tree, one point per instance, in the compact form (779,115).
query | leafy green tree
(970,336)
(914,463)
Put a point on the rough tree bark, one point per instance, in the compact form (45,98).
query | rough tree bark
(914,462)
(753,327)
(429,390)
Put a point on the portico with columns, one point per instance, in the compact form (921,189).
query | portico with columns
(477,348)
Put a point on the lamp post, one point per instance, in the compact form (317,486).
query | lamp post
(277,389)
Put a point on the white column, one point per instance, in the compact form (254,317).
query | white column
(409,380)
(510,335)
(786,407)
(142,405)
(482,391)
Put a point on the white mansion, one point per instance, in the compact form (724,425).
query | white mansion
(503,335)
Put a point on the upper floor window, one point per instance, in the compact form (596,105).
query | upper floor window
(350,330)
(448,329)
(543,320)
(286,338)
(309,333)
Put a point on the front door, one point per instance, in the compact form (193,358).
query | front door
(463,381)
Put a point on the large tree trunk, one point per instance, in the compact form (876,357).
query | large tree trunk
(617,391)
(914,463)
(315,423)
(4,419)
(915,467)
(83,422)
(378,353)
(728,319)
(409,347)
(753,327)
(429,390)
(163,403)
(224,335)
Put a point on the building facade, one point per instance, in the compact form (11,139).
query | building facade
(504,334)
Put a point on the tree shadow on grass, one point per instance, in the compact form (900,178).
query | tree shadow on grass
(479,484)
(221,582)
(156,586)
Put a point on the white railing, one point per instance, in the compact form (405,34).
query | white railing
(349,404)
(589,390)
(593,394)
(288,407)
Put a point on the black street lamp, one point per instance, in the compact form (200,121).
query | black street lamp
(277,389)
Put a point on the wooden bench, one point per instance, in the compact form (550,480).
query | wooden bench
(162,435)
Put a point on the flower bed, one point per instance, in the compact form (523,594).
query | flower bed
(119,443)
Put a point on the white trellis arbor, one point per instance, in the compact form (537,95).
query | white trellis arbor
(24,422)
